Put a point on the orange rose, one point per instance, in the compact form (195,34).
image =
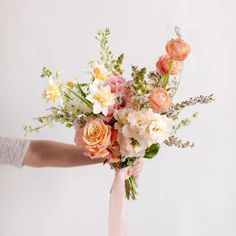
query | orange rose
(114,148)
(178,49)
(163,65)
(94,137)
(159,100)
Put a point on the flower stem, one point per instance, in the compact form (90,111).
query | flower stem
(167,76)
(131,188)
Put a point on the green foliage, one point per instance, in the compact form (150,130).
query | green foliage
(117,65)
(152,151)
(47,73)
(138,75)
(184,122)
(106,56)
(57,115)
(127,162)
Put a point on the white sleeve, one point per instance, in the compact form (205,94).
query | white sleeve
(13,150)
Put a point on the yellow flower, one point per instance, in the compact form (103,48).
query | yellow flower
(100,72)
(51,93)
(71,84)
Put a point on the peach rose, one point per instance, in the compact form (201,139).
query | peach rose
(94,137)
(159,100)
(163,65)
(114,148)
(178,49)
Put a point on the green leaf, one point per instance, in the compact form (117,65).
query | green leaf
(152,151)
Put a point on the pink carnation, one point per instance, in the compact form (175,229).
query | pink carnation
(117,84)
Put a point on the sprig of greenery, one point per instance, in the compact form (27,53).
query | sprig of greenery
(177,142)
(177,108)
(47,73)
(117,69)
(57,115)
(140,85)
(184,122)
(106,55)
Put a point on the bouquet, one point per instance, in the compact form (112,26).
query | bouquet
(118,119)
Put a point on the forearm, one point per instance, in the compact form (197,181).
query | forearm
(55,154)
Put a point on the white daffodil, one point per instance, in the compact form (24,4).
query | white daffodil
(101,97)
(100,72)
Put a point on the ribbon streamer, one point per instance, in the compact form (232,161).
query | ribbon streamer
(117,213)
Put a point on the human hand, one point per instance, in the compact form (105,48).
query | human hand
(136,168)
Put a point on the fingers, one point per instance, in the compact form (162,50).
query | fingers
(137,168)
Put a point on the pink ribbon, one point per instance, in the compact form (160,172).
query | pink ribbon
(117,214)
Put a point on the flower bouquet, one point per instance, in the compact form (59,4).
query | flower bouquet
(117,119)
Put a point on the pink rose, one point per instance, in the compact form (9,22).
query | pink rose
(178,49)
(159,100)
(94,137)
(117,84)
(163,65)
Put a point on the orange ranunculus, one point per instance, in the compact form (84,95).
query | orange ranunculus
(163,65)
(178,49)
(159,100)
(94,137)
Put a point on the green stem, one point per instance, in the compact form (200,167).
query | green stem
(82,99)
(167,76)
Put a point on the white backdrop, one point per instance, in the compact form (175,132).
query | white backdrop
(182,192)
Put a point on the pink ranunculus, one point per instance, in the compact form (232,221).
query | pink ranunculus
(163,65)
(178,49)
(117,84)
(160,100)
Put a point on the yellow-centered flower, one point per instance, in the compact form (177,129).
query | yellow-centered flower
(100,73)
(101,97)
(52,93)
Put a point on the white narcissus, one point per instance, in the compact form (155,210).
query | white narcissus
(100,72)
(101,97)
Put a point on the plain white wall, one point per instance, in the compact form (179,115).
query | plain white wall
(182,192)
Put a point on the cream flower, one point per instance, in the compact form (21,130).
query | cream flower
(137,130)
(130,147)
(51,93)
(101,97)
(100,73)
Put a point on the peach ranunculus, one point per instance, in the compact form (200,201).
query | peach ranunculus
(163,65)
(178,49)
(94,137)
(160,100)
